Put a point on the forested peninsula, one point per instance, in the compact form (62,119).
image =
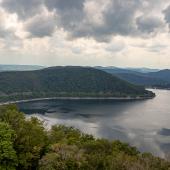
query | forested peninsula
(67,81)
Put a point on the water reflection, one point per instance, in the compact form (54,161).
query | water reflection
(144,124)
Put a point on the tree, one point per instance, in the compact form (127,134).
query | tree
(63,157)
(30,143)
(31,137)
(8,157)
(26,145)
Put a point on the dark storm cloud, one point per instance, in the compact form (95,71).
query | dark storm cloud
(65,4)
(148,24)
(23,8)
(167,15)
(41,26)
(70,13)
(119,18)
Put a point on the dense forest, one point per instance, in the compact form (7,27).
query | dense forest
(26,145)
(65,81)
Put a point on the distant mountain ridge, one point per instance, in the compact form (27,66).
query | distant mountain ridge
(112,69)
(67,81)
(4,68)
(149,77)
(143,70)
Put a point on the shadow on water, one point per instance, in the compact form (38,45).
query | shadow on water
(144,124)
(67,109)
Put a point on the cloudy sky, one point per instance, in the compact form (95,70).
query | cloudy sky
(126,33)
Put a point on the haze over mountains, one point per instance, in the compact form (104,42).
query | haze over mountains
(19,67)
(112,69)
(141,76)
(10,67)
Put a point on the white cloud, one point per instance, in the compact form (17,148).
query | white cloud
(85,32)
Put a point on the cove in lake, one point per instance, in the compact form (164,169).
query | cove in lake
(144,124)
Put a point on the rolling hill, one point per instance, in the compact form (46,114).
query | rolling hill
(112,69)
(65,81)
(143,70)
(146,77)
(142,79)
(162,74)
(160,79)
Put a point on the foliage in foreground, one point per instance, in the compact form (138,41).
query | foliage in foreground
(26,145)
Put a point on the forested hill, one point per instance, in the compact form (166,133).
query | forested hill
(65,81)
(146,77)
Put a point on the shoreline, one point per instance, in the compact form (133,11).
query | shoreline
(76,98)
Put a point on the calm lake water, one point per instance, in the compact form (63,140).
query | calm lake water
(144,124)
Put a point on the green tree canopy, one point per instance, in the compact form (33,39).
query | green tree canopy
(8,157)
(26,145)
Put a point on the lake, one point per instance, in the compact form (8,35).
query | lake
(144,124)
